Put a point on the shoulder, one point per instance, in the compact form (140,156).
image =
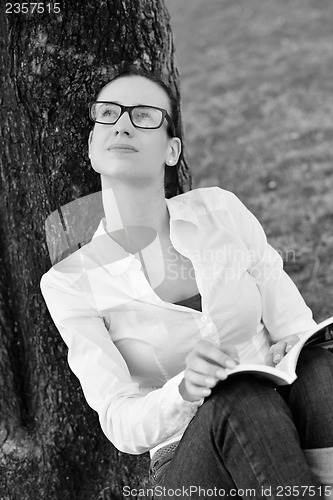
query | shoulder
(68,270)
(208,199)
(216,206)
(99,258)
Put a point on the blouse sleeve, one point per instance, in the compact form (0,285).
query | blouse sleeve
(132,421)
(284,310)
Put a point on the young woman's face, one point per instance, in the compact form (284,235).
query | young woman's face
(127,153)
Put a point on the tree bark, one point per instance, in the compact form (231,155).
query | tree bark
(52,65)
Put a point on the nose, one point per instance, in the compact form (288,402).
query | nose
(124,125)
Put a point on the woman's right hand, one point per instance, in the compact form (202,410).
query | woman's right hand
(205,366)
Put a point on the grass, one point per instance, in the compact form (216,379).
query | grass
(257,87)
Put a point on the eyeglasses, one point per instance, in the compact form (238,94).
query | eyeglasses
(150,117)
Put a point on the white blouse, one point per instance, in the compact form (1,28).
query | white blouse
(127,346)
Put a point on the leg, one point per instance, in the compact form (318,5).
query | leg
(242,438)
(310,399)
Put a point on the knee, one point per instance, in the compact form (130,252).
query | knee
(242,408)
(311,399)
(315,367)
(243,399)
(313,385)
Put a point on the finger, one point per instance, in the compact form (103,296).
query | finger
(192,392)
(197,391)
(200,379)
(203,372)
(291,341)
(279,351)
(201,366)
(269,357)
(231,351)
(213,354)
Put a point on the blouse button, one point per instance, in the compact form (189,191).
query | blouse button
(203,318)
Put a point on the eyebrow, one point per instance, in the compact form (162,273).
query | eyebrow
(138,104)
(117,102)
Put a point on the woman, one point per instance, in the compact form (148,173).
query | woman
(151,357)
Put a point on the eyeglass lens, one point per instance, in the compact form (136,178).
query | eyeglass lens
(141,116)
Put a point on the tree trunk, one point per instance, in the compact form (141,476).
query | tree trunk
(52,64)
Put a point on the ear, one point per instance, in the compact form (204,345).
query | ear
(89,142)
(174,150)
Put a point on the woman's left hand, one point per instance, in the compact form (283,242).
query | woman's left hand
(280,349)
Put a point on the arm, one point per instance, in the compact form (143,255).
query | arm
(284,311)
(133,422)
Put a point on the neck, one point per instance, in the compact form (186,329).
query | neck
(127,205)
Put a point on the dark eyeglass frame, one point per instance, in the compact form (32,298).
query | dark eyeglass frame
(129,109)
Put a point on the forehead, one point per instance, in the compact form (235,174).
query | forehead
(132,90)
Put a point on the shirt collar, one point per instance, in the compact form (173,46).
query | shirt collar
(112,256)
(180,209)
(108,253)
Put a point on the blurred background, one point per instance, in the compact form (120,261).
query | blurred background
(257,92)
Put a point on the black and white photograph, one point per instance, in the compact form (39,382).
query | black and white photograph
(166,251)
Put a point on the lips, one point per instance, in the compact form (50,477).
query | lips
(122,148)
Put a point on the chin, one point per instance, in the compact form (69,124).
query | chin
(119,173)
(114,168)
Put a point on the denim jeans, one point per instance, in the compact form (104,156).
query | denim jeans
(247,439)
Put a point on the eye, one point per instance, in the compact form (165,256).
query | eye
(146,116)
(107,112)
(143,115)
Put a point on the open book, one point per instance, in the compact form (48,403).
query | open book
(284,372)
